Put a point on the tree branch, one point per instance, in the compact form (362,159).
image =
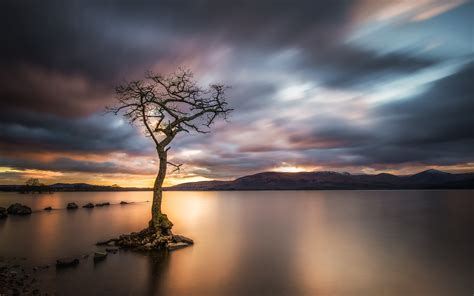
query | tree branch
(177,167)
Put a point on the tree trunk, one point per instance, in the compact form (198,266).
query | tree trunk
(156,215)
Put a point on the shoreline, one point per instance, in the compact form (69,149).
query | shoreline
(18,278)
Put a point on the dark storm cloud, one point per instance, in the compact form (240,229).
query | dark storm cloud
(335,135)
(28,131)
(108,40)
(104,39)
(59,62)
(434,127)
(442,114)
(431,128)
(28,88)
(345,66)
(73,38)
(65,165)
(65,57)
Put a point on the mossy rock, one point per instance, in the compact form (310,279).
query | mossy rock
(164,222)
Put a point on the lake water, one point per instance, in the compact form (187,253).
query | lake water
(256,243)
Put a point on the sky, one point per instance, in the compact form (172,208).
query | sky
(362,86)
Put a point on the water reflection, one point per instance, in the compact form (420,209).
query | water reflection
(260,243)
(158,264)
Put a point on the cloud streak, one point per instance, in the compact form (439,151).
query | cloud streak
(354,85)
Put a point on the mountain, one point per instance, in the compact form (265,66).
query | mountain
(67,187)
(429,179)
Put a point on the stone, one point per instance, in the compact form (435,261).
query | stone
(124,203)
(3,213)
(88,205)
(112,250)
(103,204)
(109,242)
(99,256)
(165,224)
(182,239)
(175,246)
(67,262)
(48,209)
(18,209)
(72,206)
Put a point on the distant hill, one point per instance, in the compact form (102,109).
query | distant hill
(67,187)
(429,179)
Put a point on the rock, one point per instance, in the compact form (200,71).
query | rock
(124,203)
(175,246)
(103,204)
(67,262)
(48,209)
(88,205)
(112,250)
(109,242)
(72,206)
(98,256)
(18,209)
(165,224)
(3,213)
(182,239)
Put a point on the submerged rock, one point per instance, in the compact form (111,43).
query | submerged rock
(18,209)
(112,250)
(88,205)
(103,204)
(98,256)
(175,246)
(67,262)
(3,213)
(48,209)
(109,242)
(182,239)
(72,206)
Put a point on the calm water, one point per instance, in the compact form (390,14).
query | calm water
(258,243)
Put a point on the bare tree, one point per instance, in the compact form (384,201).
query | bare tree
(33,182)
(167,106)
(33,185)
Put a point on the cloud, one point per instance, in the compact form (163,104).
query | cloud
(425,129)
(96,133)
(307,89)
(64,165)
(433,125)
(46,91)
